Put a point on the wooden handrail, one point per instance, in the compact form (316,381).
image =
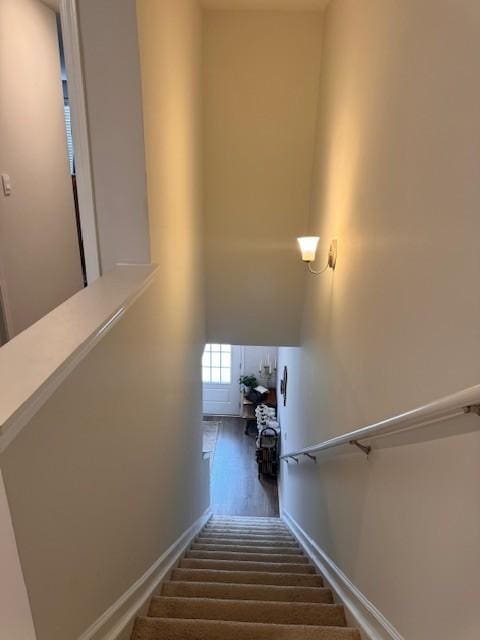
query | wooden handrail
(456,404)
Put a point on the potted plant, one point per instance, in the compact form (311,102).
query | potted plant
(248,382)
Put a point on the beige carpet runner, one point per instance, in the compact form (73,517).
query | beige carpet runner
(244,579)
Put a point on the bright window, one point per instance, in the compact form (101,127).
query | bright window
(217,364)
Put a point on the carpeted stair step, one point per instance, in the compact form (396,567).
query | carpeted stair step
(239,520)
(251,530)
(244,579)
(248,577)
(247,519)
(249,557)
(248,611)
(248,529)
(243,565)
(232,591)
(294,551)
(206,538)
(245,523)
(247,536)
(181,629)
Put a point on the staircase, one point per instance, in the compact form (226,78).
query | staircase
(244,579)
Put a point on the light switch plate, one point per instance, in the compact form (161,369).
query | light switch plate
(6,184)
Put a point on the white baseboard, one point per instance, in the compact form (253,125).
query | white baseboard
(371,622)
(111,624)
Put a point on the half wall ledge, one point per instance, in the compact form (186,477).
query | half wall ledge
(34,363)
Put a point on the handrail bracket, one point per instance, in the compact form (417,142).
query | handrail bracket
(365,448)
(472,408)
(309,455)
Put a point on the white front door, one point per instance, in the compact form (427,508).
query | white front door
(220,374)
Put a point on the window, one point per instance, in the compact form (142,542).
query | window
(217,364)
(68,127)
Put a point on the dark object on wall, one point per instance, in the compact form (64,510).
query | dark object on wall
(283,386)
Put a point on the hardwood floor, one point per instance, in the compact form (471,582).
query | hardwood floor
(235,487)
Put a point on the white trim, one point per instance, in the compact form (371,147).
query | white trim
(79,120)
(30,345)
(122,612)
(5,308)
(367,617)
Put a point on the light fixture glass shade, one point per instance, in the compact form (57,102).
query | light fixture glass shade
(308,247)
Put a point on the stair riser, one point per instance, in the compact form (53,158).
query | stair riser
(248,557)
(257,522)
(254,540)
(247,611)
(220,533)
(258,530)
(178,629)
(248,577)
(232,548)
(245,525)
(232,565)
(247,520)
(230,591)
(253,523)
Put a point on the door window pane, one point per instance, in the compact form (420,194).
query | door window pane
(217,364)
(225,374)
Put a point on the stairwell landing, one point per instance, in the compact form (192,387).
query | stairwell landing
(244,578)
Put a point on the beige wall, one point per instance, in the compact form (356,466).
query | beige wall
(40,263)
(261,72)
(398,323)
(15,612)
(114,109)
(109,472)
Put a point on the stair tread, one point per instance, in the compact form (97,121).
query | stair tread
(247,519)
(248,577)
(247,611)
(231,590)
(203,554)
(199,546)
(263,540)
(147,628)
(245,529)
(246,536)
(245,565)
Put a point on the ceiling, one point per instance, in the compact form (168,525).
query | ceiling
(53,4)
(291,5)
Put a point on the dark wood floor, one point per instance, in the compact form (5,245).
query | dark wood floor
(235,487)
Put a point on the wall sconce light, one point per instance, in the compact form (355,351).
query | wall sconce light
(308,248)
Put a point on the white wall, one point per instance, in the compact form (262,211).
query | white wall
(398,323)
(39,256)
(15,613)
(109,472)
(108,32)
(261,73)
(251,362)
(290,415)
